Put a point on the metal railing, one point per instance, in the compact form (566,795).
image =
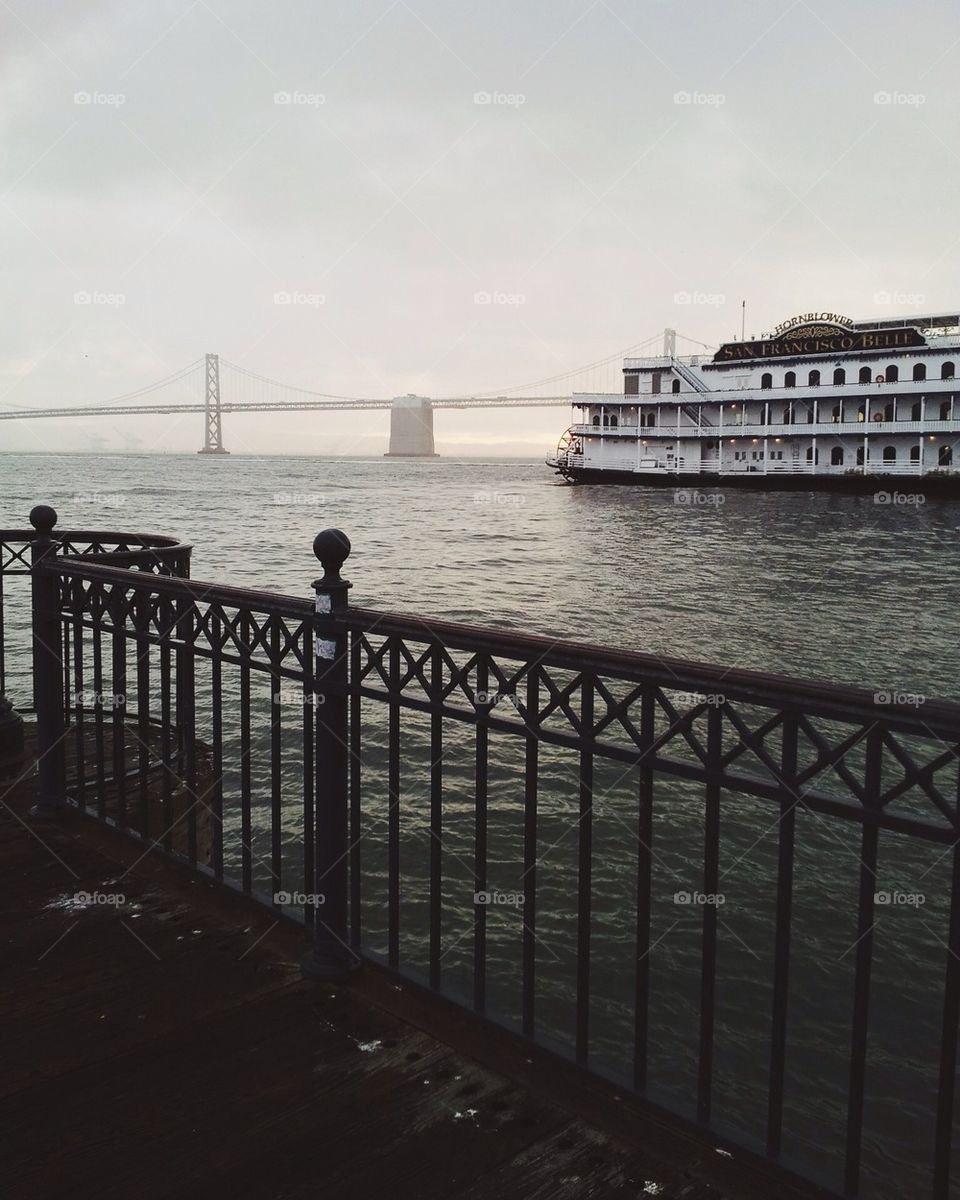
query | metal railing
(383,777)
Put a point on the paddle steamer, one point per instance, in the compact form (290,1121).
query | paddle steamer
(822,401)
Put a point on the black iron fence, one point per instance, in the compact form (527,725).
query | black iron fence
(500,817)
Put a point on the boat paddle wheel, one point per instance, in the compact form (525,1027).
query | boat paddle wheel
(569,449)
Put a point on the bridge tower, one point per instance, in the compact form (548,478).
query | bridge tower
(212,428)
(411,428)
(670,343)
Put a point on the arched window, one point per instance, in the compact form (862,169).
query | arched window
(813,379)
(919,372)
(836,456)
(947,371)
(650,418)
(944,410)
(839,376)
(676,386)
(888,411)
(945,456)
(914,453)
(790,379)
(596,420)
(915,411)
(889,454)
(766,380)
(613,422)
(892,373)
(811,457)
(864,374)
(606,420)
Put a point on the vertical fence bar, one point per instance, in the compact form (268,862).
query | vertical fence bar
(187,718)
(711,883)
(531,772)
(641,1004)
(246,824)
(47,666)
(356,767)
(943,1141)
(393,812)
(864,961)
(584,868)
(436,810)
(781,955)
(79,749)
(216,704)
(482,705)
(3,650)
(276,761)
(99,734)
(141,616)
(309,831)
(331,956)
(118,702)
(166,722)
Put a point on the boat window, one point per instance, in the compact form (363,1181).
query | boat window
(613,422)
(945,410)
(864,374)
(945,456)
(839,376)
(947,370)
(813,379)
(790,379)
(914,453)
(596,420)
(888,412)
(837,413)
(766,380)
(892,373)
(676,386)
(836,456)
(889,454)
(916,410)
(813,456)
(859,456)
(919,372)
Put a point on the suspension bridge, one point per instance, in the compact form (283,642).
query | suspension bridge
(213,387)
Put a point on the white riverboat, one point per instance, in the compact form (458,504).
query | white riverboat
(822,401)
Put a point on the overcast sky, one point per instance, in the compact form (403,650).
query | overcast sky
(600,169)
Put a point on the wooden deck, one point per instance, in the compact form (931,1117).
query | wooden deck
(170,1048)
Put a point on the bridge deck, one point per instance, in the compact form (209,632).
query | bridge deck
(169,1048)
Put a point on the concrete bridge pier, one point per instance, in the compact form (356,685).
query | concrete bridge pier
(411,428)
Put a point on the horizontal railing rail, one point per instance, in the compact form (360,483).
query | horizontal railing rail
(505,818)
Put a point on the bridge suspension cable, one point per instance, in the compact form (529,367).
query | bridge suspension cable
(126,397)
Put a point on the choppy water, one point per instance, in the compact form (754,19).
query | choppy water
(826,586)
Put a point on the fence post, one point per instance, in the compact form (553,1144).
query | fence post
(47,668)
(331,956)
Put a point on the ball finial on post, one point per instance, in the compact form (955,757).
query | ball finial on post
(332,548)
(43,518)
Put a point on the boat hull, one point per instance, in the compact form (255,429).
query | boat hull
(861,485)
